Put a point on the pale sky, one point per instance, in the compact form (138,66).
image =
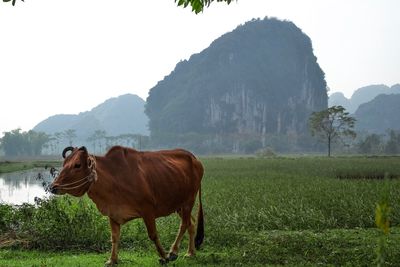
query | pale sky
(69,56)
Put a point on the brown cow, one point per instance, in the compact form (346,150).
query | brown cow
(126,184)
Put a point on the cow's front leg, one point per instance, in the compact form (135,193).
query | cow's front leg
(150,223)
(115,234)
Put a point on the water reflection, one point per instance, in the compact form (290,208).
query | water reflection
(20,187)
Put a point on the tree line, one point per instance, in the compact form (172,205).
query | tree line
(31,143)
(377,144)
(17,143)
(333,127)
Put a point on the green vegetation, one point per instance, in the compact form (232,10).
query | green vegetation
(198,5)
(332,124)
(259,211)
(12,166)
(380,144)
(17,143)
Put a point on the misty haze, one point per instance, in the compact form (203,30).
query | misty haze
(269,138)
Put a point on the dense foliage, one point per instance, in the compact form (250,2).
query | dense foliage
(262,78)
(198,5)
(17,143)
(379,144)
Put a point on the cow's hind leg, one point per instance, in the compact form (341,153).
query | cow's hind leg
(150,223)
(188,221)
(192,232)
(173,252)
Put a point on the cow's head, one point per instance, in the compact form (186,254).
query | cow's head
(77,174)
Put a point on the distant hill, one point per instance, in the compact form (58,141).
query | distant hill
(380,114)
(260,79)
(119,115)
(362,95)
(338,99)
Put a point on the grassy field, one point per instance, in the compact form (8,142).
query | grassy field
(12,166)
(276,211)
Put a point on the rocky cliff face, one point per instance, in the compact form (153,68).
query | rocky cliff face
(260,79)
(244,111)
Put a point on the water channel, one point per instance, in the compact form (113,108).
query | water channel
(23,186)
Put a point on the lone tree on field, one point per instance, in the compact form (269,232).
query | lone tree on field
(332,124)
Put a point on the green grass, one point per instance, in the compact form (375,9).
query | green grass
(12,166)
(276,211)
(337,247)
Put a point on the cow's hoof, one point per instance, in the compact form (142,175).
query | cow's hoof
(110,263)
(189,255)
(163,261)
(172,256)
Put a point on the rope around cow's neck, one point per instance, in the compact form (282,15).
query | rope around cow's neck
(92,177)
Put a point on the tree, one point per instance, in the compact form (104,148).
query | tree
(13,1)
(70,135)
(198,5)
(393,144)
(17,143)
(332,124)
(99,135)
(35,141)
(58,137)
(371,144)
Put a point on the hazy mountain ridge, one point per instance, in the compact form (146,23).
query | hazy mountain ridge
(379,114)
(361,95)
(118,115)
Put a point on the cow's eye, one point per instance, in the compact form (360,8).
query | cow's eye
(77,165)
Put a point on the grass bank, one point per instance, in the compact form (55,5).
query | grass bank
(13,166)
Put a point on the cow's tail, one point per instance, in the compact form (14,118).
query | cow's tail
(198,240)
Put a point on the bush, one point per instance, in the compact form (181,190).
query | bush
(6,214)
(57,223)
(266,153)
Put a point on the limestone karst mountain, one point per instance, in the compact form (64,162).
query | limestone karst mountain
(257,82)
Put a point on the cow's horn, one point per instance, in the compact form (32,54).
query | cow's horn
(83,148)
(69,148)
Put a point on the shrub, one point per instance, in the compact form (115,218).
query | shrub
(266,153)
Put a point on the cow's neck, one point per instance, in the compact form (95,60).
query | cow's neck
(100,191)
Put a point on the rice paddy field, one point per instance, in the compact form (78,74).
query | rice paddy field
(295,211)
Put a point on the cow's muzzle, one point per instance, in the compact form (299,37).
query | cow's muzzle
(53,189)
